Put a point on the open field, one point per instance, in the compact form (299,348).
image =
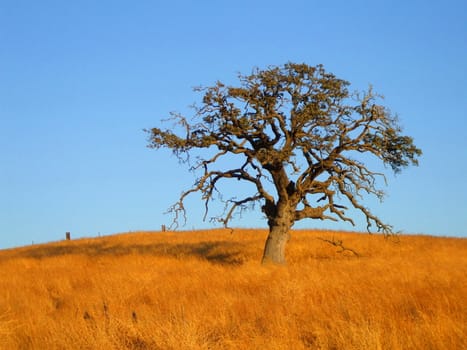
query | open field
(207,290)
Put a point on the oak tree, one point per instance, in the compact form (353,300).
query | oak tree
(299,137)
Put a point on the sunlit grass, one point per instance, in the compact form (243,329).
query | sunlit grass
(207,290)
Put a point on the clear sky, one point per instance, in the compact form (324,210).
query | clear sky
(79,80)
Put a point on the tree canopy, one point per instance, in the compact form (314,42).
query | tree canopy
(295,133)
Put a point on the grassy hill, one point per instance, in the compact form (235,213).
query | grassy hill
(207,290)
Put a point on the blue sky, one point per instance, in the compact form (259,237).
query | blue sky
(79,80)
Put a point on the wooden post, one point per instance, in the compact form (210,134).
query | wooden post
(163,228)
(67,236)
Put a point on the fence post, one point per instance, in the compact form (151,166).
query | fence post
(67,236)
(163,228)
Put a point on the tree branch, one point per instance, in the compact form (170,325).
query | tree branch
(338,243)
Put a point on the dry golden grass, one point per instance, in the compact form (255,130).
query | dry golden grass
(207,290)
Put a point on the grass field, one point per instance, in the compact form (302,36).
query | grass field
(207,290)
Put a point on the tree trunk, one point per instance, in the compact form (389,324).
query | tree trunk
(274,249)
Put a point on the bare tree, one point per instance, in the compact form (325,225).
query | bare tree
(290,132)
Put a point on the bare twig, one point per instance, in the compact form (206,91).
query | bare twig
(339,243)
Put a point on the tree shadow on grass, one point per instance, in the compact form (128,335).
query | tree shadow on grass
(217,252)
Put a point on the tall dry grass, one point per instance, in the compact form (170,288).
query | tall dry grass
(207,290)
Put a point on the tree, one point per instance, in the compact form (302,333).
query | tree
(290,132)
